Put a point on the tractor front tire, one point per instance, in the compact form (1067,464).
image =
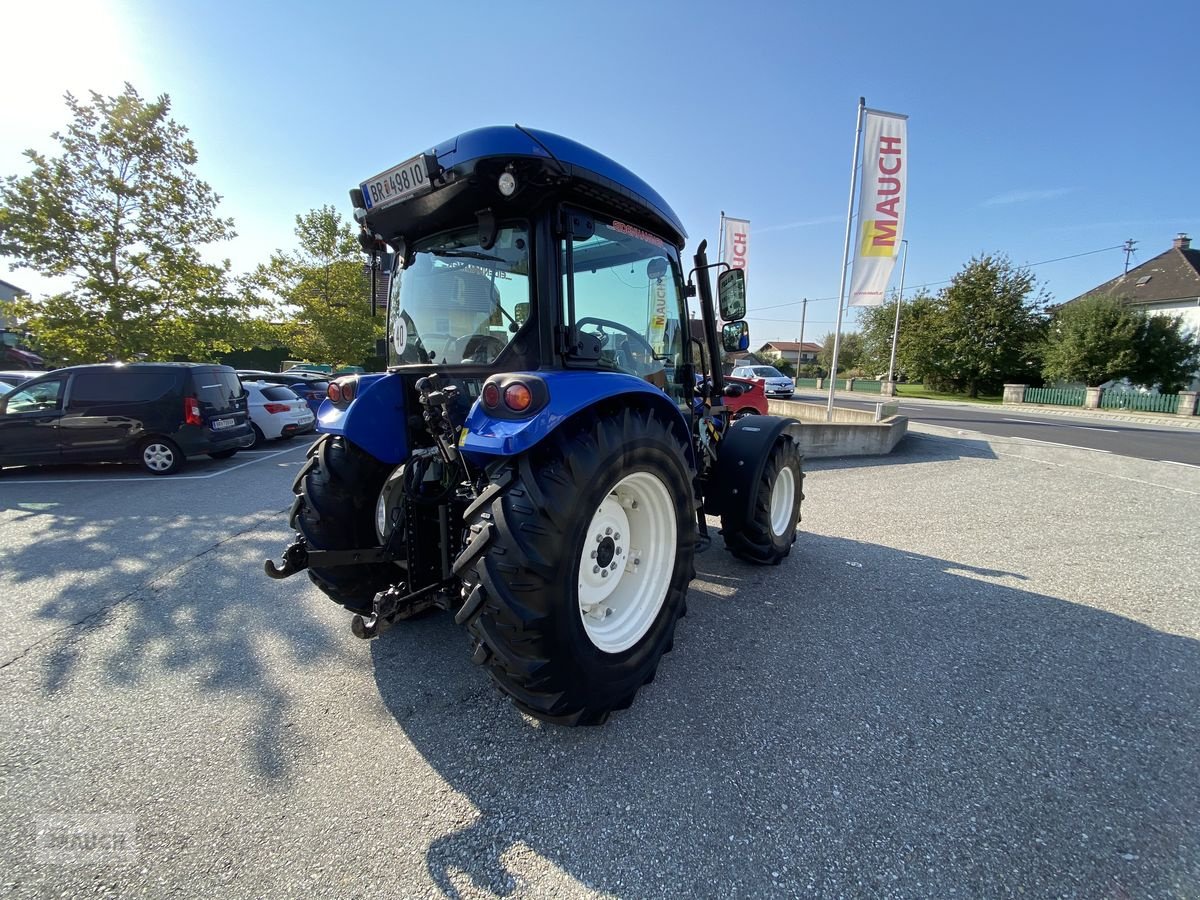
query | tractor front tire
(767,536)
(578,563)
(336,493)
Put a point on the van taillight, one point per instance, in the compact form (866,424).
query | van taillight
(191,411)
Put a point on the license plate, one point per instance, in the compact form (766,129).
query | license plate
(220,424)
(396,184)
(304,420)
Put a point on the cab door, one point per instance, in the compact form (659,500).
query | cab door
(29,420)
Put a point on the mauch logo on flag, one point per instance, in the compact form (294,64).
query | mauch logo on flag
(879,238)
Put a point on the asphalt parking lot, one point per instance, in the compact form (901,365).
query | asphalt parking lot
(977,675)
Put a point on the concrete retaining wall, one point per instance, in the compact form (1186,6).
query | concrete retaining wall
(852,432)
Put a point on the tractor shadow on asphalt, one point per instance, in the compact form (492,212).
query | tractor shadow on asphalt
(910,725)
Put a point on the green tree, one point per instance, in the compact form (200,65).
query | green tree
(321,291)
(990,325)
(1092,340)
(1164,354)
(121,212)
(850,352)
(875,324)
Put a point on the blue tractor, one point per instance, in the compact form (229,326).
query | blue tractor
(540,456)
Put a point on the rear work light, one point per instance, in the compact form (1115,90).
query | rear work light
(276,407)
(191,411)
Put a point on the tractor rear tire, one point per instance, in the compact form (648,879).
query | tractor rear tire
(335,510)
(767,536)
(580,564)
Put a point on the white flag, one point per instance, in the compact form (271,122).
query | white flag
(880,206)
(737,245)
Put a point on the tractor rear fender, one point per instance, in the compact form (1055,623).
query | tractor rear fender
(567,393)
(375,420)
(740,462)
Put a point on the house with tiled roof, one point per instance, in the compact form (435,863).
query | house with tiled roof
(806,352)
(1167,285)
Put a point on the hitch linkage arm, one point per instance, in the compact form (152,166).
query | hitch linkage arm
(297,557)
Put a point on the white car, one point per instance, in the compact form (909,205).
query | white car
(277,412)
(777,384)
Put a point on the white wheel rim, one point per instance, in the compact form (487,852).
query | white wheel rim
(627,560)
(158,457)
(782,497)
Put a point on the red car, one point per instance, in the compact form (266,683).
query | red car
(753,400)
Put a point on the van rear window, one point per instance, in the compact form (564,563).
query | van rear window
(220,390)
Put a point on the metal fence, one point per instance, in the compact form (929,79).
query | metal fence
(1055,396)
(806,382)
(1157,403)
(867,386)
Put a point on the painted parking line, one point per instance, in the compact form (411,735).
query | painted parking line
(152,479)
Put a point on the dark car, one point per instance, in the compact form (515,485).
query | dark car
(311,386)
(156,414)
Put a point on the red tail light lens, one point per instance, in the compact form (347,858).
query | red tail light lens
(342,390)
(517,397)
(491,396)
(334,392)
(276,407)
(191,411)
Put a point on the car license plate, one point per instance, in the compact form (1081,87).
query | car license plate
(396,184)
(304,420)
(220,424)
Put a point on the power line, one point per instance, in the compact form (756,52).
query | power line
(926,284)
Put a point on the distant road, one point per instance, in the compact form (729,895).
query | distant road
(1153,442)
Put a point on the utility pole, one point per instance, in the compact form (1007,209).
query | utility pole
(800,343)
(1128,248)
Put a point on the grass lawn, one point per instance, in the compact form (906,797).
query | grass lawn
(919,392)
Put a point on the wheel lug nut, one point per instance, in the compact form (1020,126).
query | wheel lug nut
(595,569)
(604,574)
(607,531)
(617,536)
(593,554)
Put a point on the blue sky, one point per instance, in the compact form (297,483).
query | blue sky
(1040,130)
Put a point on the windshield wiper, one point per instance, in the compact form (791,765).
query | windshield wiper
(468,254)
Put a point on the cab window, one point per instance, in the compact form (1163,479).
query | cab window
(627,294)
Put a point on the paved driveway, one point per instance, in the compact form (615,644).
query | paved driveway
(977,675)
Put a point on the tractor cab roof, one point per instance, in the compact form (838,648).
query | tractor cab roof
(463,176)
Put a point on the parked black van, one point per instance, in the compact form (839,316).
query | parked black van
(156,414)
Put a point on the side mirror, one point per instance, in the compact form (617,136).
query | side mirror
(731,294)
(735,336)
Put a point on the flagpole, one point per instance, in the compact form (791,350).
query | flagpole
(837,336)
(896,328)
(721,239)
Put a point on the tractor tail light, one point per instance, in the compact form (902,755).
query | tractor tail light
(191,411)
(517,397)
(342,390)
(491,396)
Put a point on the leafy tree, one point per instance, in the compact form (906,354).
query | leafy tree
(122,213)
(1163,354)
(989,326)
(1092,340)
(875,324)
(850,351)
(320,290)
